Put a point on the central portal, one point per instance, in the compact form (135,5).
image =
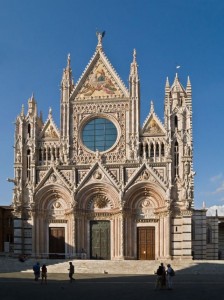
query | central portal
(100,239)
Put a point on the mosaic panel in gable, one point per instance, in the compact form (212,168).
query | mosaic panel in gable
(153,128)
(99,83)
(50,132)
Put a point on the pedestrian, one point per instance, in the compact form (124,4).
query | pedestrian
(83,254)
(36,271)
(44,274)
(170,273)
(71,271)
(161,277)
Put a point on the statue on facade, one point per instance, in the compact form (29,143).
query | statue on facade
(18,156)
(100,36)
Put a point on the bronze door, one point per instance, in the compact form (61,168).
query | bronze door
(146,243)
(100,239)
(56,242)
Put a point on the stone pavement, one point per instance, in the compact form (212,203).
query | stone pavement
(9,264)
(14,286)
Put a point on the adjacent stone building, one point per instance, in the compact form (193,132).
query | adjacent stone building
(6,229)
(102,183)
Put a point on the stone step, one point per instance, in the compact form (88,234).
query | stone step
(8,264)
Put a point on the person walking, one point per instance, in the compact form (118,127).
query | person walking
(170,273)
(44,274)
(36,271)
(71,271)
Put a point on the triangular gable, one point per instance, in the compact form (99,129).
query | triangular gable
(98,173)
(52,176)
(153,126)
(145,173)
(49,130)
(99,80)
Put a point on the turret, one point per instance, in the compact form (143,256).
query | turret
(32,106)
(178,123)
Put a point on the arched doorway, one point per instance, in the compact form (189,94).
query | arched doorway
(98,222)
(53,229)
(147,222)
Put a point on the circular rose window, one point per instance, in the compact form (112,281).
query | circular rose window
(99,134)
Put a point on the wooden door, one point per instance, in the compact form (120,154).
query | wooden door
(57,242)
(146,243)
(100,239)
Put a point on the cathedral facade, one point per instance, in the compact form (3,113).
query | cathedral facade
(101,184)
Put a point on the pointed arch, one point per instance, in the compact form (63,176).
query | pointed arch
(89,191)
(140,191)
(50,193)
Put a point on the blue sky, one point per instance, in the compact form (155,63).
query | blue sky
(36,36)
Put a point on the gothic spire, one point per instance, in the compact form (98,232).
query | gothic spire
(67,82)
(134,67)
(32,105)
(22,111)
(167,84)
(133,77)
(188,87)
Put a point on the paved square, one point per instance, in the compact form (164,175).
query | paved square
(14,286)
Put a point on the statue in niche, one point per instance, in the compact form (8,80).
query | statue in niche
(182,188)
(18,156)
(145,175)
(97,175)
(168,149)
(30,194)
(186,168)
(98,156)
(80,152)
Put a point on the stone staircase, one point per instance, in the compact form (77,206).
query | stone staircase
(9,264)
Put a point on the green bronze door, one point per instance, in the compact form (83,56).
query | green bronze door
(100,239)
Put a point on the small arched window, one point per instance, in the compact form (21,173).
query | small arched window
(176,122)
(176,158)
(146,151)
(157,149)
(151,150)
(40,154)
(162,149)
(141,150)
(29,130)
(28,164)
(209,234)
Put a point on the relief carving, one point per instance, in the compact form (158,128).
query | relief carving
(146,209)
